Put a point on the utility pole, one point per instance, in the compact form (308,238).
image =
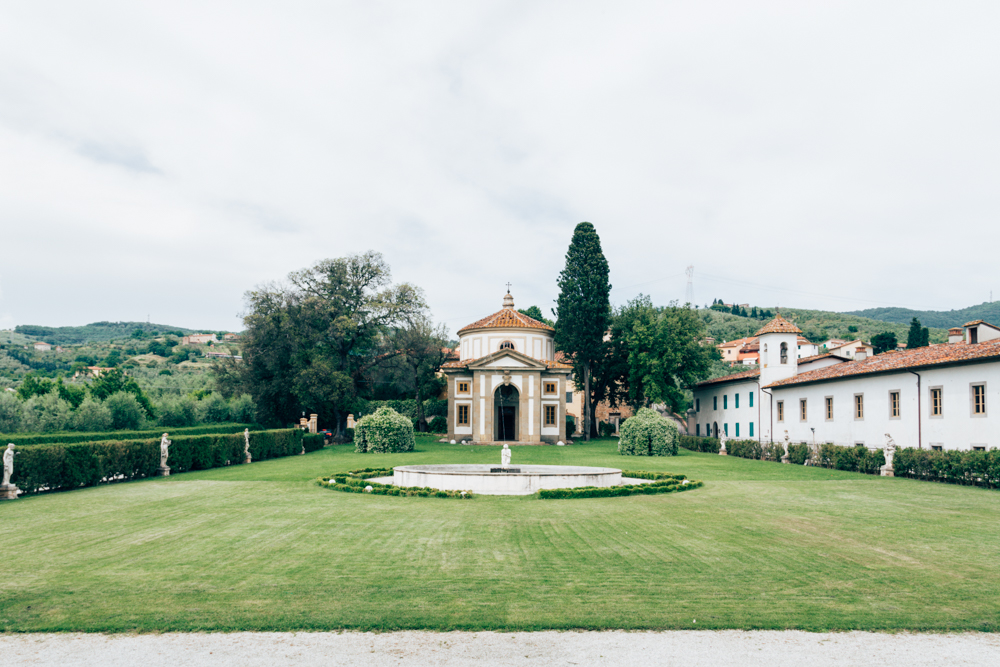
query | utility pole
(689,292)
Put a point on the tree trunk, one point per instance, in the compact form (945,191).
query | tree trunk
(586,402)
(421,419)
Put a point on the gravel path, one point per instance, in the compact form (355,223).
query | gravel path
(685,649)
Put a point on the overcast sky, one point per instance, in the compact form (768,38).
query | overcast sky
(159,159)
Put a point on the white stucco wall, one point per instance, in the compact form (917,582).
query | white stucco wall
(532,342)
(727,413)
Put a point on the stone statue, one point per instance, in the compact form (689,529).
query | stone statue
(784,457)
(246,447)
(8,464)
(505,456)
(722,443)
(888,452)
(164,450)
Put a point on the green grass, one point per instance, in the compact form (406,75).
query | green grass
(262,547)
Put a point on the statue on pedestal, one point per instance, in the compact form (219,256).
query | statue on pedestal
(505,456)
(722,443)
(164,469)
(246,447)
(888,452)
(784,457)
(7,490)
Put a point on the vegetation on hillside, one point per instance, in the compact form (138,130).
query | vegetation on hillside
(97,332)
(940,319)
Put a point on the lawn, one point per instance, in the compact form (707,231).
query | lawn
(261,547)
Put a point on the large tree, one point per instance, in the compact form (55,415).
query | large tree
(421,348)
(884,342)
(917,336)
(655,353)
(309,344)
(583,310)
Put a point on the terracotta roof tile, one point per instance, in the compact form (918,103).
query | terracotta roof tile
(779,325)
(888,362)
(465,363)
(744,375)
(507,318)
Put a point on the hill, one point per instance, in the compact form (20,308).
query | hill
(816,325)
(943,319)
(96,332)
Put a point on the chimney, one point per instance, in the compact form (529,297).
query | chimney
(955,335)
(861,354)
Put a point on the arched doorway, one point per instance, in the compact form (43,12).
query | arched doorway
(506,401)
(715,430)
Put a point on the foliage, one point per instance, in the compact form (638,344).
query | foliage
(654,353)
(438,425)
(116,381)
(668,485)
(384,431)
(942,319)
(34,386)
(535,313)
(798,454)
(53,467)
(433,407)
(648,434)
(884,342)
(583,312)
(745,449)
(698,444)
(917,336)
(178,412)
(126,411)
(29,439)
(91,416)
(10,413)
(242,409)
(420,351)
(214,408)
(966,467)
(358,481)
(309,346)
(97,332)
(46,414)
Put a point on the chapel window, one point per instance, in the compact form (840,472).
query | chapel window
(859,406)
(781,411)
(463,387)
(829,408)
(463,415)
(979,399)
(507,345)
(894,404)
(550,387)
(937,405)
(803,413)
(784,353)
(550,415)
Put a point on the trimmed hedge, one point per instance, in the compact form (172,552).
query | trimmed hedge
(311,442)
(384,431)
(356,481)
(699,444)
(52,467)
(648,434)
(798,454)
(654,488)
(103,436)
(966,467)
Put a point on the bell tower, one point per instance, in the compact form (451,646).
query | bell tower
(779,344)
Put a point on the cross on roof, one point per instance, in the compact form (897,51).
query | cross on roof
(508,288)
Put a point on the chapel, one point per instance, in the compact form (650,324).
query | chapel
(506,386)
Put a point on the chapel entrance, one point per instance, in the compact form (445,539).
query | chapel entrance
(506,400)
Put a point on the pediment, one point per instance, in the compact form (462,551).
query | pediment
(507,359)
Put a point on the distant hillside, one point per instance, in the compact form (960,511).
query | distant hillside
(97,332)
(943,319)
(816,325)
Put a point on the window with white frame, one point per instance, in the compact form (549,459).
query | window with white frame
(859,406)
(894,404)
(978,396)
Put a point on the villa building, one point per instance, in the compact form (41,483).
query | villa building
(935,397)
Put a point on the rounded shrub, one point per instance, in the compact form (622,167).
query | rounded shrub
(384,431)
(648,434)
(438,425)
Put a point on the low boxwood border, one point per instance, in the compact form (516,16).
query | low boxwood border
(356,481)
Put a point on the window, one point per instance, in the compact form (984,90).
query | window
(697,430)
(974,335)
(979,400)
(979,448)
(751,429)
(463,387)
(737,429)
(463,415)
(507,345)
(859,406)
(725,401)
(697,405)
(569,397)
(550,387)
(725,429)
(803,412)
(550,415)
(715,402)
(751,400)
(736,398)
(784,353)
(937,448)
(781,411)
(937,404)
(893,405)
(829,408)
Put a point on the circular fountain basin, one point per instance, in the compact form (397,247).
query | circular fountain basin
(503,480)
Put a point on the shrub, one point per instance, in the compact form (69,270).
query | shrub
(46,413)
(384,431)
(91,416)
(747,449)
(699,444)
(970,467)
(126,412)
(438,425)
(312,441)
(605,429)
(30,439)
(180,412)
(570,426)
(798,454)
(10,412)
(671,485)
(648,434)
(242,409)
(213,409)
(772,451)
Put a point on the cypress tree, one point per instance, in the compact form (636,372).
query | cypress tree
(583,310)
(925,337)
(914,337)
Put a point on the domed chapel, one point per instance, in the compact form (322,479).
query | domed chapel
(507,386)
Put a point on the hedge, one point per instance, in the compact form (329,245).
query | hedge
(58,466)
(433,407)
(648,434)
(855,459)
(357,481)
(67,438)
(654,488)
(699,444)
(384,431)
(966,467)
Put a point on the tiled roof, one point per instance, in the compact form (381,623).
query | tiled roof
(507,318)
(779,325)
(465,363)
(739,342)
(744,375)
(974,323)
(888,362)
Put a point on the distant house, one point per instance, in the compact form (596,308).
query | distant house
(42,347)
(832,343)
(731,351)
(199,339)
(94,371)
(230,336)
(222,355)
(806,349)
(848,350)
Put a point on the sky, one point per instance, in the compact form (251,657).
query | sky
(158,160)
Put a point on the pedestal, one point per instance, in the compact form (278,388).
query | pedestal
(9,492)
(163,471)
(247,459)
(887,471)
(722,452)
(785,459)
